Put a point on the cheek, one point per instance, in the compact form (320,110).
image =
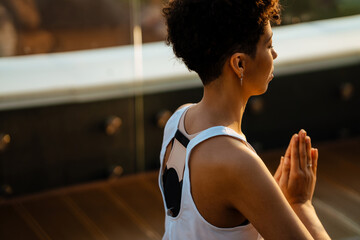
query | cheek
(264,68)
(266,64)
(268,59)
(261,68)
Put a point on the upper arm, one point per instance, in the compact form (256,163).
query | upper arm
(256,195)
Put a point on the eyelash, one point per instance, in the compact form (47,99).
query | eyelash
(271,46)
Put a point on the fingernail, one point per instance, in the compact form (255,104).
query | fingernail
(303,132)
(296,137)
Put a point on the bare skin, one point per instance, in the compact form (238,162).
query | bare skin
(229,182)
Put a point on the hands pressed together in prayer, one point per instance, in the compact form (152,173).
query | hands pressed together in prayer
(296,174)
(296,177)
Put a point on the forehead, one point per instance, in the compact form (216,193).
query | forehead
(266,36)
(267,30)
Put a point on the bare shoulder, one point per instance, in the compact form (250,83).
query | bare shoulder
(227,154)
(228,162)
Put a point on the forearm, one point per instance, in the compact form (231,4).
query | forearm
(309,218)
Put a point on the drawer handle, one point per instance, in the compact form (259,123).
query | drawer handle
(112,125)
(6,190)
(347,91)
(116,172)
(162,117)
(5,140)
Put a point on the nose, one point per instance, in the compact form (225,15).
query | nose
(274,54)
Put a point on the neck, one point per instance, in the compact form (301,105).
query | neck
(224,103)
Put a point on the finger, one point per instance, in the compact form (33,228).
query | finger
(315,157)
(295,154)
(288,150)
(278,170)
(284,178)
(302,149)
(308,152)
(277,174)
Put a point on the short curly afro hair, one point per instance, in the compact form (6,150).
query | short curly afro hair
(205,33)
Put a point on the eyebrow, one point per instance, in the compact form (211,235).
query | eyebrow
(269,38)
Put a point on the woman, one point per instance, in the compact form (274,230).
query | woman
(214,185)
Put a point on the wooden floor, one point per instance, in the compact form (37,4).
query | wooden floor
(131,207)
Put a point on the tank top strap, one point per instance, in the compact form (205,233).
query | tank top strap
(181,126)
(170,130)
(213,132)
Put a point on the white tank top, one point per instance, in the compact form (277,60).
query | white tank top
(189,223)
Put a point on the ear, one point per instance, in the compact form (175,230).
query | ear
(237,64)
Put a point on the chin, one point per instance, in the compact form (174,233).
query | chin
(261,92)
(264,91)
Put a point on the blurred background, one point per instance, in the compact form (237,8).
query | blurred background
(86,88)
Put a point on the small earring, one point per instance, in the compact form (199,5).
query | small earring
(241,79)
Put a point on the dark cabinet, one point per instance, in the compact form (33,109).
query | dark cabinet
(59,145)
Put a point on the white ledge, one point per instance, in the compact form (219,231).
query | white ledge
(40,80)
